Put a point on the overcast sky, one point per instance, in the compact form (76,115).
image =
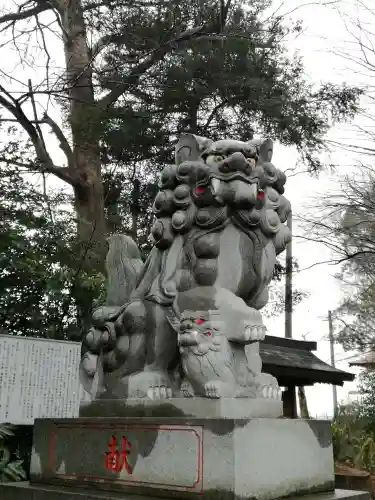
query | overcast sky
(324,31)
(324,35)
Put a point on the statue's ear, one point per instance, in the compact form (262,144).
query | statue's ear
(266,151)
(190,147)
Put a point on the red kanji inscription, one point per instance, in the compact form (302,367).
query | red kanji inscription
(116,460)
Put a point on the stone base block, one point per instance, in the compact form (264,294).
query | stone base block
(261,459)
(232,408)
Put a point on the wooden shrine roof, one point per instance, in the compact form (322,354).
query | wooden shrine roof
(292,362)
(365,361)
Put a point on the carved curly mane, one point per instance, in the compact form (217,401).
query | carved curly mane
(186,201)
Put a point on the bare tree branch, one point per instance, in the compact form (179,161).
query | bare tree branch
(64,144)
(37,125)
(28,166)
(46,163)
(42,6)
(213,113)
(46,51)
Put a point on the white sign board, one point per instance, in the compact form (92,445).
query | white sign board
(38,379)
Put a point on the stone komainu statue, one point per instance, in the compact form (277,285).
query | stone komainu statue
(187,322)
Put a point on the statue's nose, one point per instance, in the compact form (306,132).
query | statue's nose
(236,162)
(186,325)
(188,338)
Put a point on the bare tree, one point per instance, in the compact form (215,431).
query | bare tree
(346,218)
(346,225)
(358,53)
(66,20)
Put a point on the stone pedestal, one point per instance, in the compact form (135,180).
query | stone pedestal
(27,491)
(254,458)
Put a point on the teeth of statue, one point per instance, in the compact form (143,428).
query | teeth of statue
(247,332)
(215,183)
(254,190)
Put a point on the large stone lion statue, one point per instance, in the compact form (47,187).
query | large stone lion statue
(187,322)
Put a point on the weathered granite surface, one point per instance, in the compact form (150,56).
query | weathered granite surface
(231,408)
(27,491)
(258,458)
(187,321)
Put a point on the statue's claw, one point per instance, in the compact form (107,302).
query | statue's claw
(154,385)
(186,389)
(255,333)
(161,392)
(217,389)
(212,390)
(268,387)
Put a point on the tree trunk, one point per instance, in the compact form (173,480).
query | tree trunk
(84,119)
(192,120)
(303,403)
(134,208)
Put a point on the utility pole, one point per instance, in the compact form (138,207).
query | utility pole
(332,348)
(288,283)
(302,395)
(289,395)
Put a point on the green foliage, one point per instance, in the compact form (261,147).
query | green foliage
(354,438)
(43,290)
(216,85)
(10,470)
(366,387)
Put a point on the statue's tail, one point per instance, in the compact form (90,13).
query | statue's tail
(124,267)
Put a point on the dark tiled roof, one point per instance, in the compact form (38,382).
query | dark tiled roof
(365,361)
(292,362)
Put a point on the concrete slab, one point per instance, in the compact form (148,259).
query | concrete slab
(260,459)
(27,491)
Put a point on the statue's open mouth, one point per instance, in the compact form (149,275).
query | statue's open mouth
(217,180)
(235,176)
(235,189)
(187,339)
(215,185)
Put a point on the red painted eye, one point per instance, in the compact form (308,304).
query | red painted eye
(261,195)
(209,334)
(200,190)
(199,321)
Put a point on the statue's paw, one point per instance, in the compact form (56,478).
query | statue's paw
(255,333)
(154,385)
(159,392)
(270,392)
(216,389)
(159,386)
(268,386)
(186,389)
